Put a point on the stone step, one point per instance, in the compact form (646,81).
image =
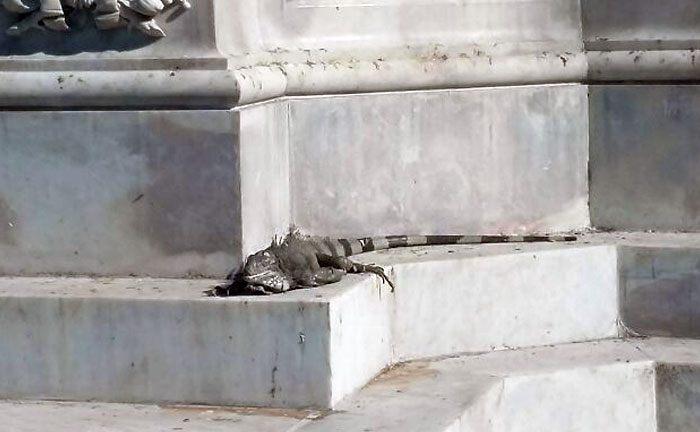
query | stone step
(612,385)
(162,341)
(641,385)
(487,297)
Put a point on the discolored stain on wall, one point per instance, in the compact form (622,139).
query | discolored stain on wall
(189,200)
(663,308)
(677,396)
(151,193)
(644,157)
(660,291)
(8,224)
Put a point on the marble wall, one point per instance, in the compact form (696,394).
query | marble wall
(481,160)
(172,125)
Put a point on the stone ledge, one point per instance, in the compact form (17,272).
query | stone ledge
(442,70)
(276,48)
(193,87)
(644,65)
(203,85)
(640,385)
(162,341)
(119,89)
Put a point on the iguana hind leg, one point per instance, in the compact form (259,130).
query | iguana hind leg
(327,275)
(321,276)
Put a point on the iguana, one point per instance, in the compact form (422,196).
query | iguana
(299,261)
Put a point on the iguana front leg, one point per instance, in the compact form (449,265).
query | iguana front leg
(349,266)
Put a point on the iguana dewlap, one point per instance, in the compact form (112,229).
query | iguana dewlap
(300,261)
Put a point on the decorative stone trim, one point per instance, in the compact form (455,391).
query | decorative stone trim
(190,89)
(108,14)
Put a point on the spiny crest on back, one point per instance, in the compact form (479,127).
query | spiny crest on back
(293,233)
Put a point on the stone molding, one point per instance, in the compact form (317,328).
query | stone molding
(658,41)
(263,49)
(201,89)
(221,88)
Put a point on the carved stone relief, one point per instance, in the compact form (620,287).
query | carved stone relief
(108,14)
(384,3)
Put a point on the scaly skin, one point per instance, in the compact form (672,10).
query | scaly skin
(293,264)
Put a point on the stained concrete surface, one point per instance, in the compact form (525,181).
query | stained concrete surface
(678,397)
(644,157)
(119,193)
(615,385)
(94,417)
(660,291)
(163,341)
(640,24)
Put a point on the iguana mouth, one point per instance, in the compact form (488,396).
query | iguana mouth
(258,277)
(269,280)
(253,278)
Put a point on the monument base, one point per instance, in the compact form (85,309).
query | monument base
(191,192)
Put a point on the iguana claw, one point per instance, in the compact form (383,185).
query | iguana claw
(379,271)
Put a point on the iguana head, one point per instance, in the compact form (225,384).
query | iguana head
(263,270)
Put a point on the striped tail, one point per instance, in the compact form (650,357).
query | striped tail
(348,247)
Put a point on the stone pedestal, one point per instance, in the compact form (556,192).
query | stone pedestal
(178,153)
(163,151)
(126,152)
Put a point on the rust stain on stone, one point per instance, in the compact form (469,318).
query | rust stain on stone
(213,411)
(405,373)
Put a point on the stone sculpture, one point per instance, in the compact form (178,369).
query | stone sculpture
(108,14)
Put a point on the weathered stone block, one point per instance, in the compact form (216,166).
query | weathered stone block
(509,297)
(148,193)
(162,341)
(644,157)
(472,161)
(660,291)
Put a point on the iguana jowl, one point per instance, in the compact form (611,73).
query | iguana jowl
(299,261)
